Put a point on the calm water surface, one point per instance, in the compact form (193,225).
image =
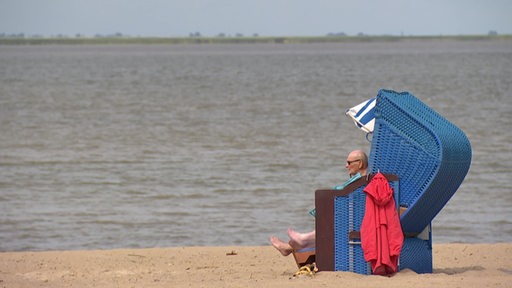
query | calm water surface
(155,146)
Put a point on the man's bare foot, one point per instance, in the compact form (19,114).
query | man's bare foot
(281,246)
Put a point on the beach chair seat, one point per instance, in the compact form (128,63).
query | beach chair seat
(339,214)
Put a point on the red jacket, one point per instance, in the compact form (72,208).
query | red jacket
(381,233)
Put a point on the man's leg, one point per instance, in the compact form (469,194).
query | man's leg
(301,240)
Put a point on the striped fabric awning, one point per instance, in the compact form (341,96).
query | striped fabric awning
(363,115)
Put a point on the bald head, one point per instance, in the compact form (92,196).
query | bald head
(357,162)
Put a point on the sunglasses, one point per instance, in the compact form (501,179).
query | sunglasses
(350,162)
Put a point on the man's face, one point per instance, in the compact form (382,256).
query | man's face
(353,164)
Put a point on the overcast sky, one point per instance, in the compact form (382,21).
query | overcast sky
(249,17)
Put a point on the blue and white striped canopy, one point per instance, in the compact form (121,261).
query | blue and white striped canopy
(363,115)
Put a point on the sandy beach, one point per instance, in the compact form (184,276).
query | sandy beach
(455,265)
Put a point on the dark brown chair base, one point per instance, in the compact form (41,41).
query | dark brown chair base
(304,257)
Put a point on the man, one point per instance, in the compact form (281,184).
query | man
(357,164)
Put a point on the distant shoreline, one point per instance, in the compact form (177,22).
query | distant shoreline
(237,40)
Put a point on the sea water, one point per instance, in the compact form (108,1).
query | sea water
(133,146)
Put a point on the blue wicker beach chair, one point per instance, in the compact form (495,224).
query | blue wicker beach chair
(431,158)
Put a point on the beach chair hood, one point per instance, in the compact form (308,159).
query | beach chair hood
(363,115)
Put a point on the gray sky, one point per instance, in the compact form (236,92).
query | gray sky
(248,17)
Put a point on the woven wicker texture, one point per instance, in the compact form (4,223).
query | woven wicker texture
(429,154)
(348,215)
